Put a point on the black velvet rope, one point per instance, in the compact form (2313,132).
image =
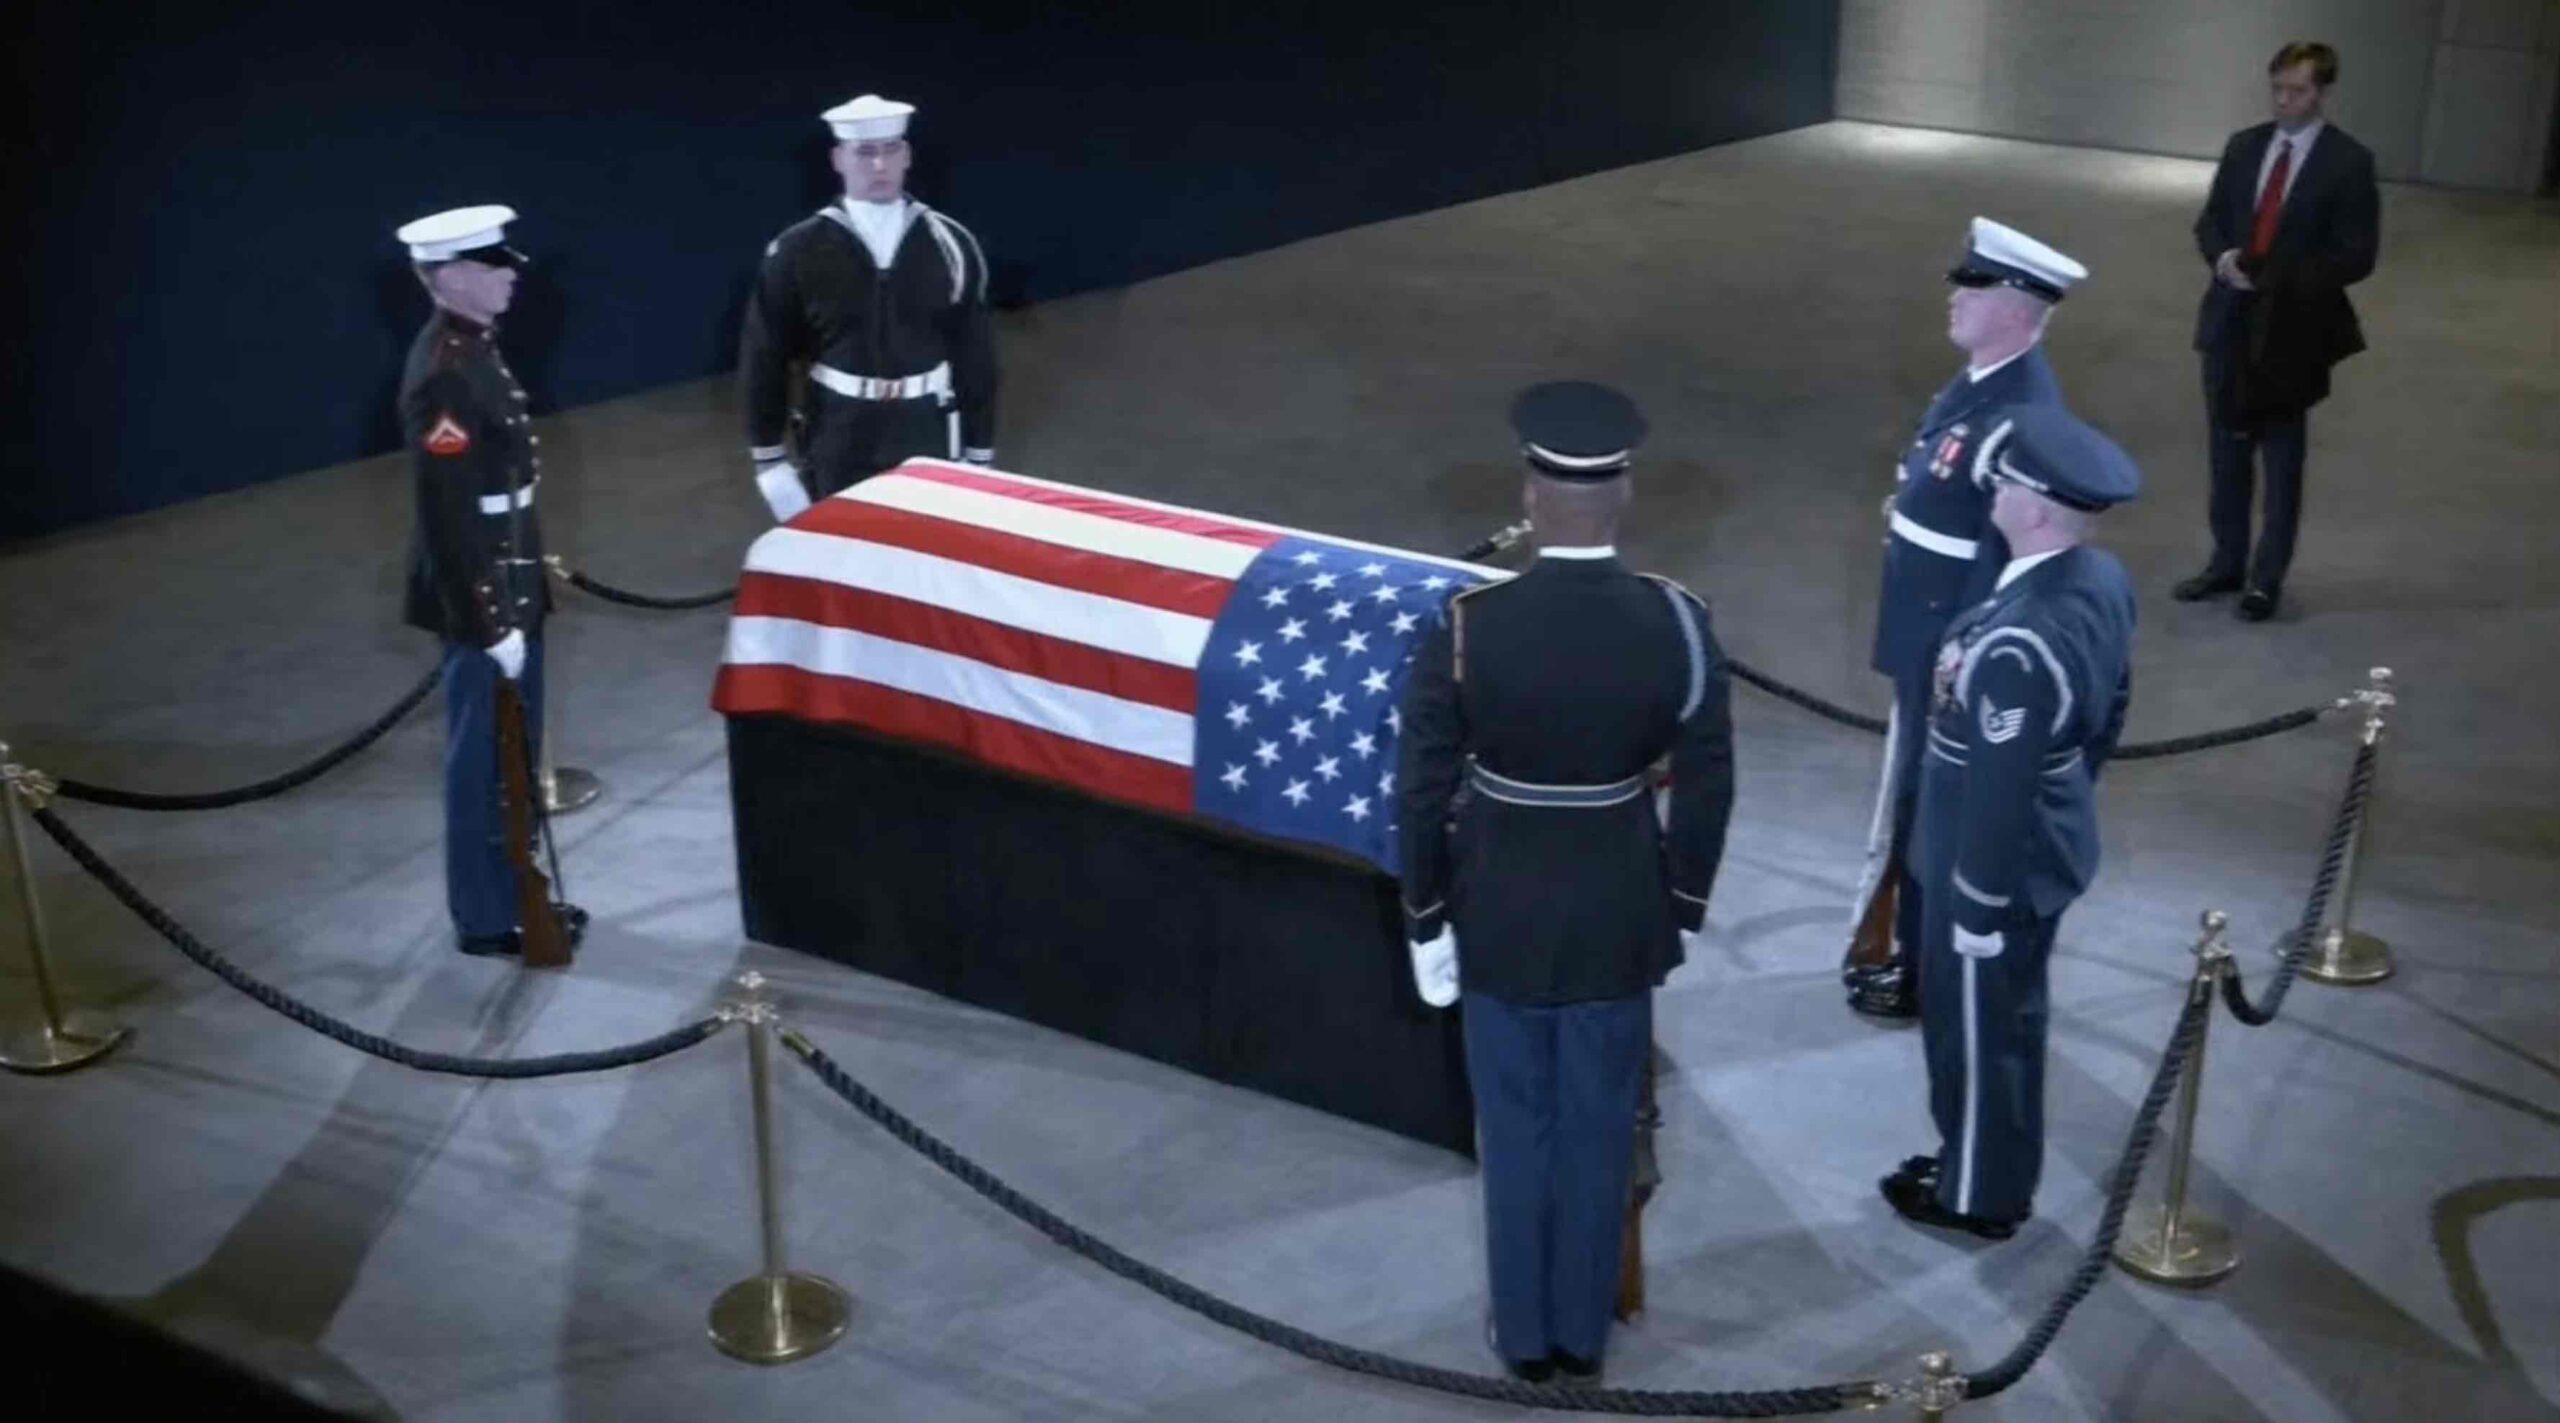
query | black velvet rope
(630,599)
(1756,1403)
(555,1065)
(302,775)
(2333,859)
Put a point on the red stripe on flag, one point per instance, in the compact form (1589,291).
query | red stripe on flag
(811,696)
(1130,580)
(1073,664)
(1102,506)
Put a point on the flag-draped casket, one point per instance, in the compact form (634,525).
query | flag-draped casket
(1118,767)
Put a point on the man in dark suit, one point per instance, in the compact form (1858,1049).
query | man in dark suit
(2293,220)
(1941,552)
(1535,712)
(2029,697)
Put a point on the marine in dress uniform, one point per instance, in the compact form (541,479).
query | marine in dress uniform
(2028,698)
(1941,551)
(886,300)
(475,566)
(1559,899)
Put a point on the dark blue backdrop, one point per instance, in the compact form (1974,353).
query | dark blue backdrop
(212,296)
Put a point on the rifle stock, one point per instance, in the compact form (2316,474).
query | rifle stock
(545,946)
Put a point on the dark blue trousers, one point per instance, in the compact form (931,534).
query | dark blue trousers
(2237,446)
(1556,1094)
(1911,693)
(479,884)
(1982,1024)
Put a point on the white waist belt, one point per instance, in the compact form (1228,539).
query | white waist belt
(915,387)
(499,504)
(1931,539)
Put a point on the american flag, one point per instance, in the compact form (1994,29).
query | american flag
(1182,661)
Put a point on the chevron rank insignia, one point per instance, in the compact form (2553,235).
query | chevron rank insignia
(446,437)
(1998,725)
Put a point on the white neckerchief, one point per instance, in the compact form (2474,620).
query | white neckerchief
(2018,567)
(1582,551)
(1978,373)
(2301,139)
(879,225)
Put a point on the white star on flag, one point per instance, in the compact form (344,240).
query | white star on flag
(1292,630)
(1395,719)
(1339,610)
(1297,793)
(1267,752)
(1310,556)
(1303,729)
(1234,778)
(1269,691)
(1405,623)
(1331,706)
(1237,716)
(1249,654)
(1384,592)
(1387,782)
(1322,582)
(1355,642)
(1435,582)
(1330,768)
(1358,809)
(1312,668)
(1375,683)
(1365,744)
(1373,570)
(1276,597)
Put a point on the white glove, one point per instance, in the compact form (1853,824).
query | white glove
(979,457)
(508,653)
(1435,969)
(783,492)
(1979,946)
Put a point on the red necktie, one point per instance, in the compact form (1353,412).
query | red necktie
(2262,228)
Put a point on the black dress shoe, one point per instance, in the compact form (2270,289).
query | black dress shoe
(493,946)
(1577,1370)
(2205,585)
(1881,990)
(1918,1203)
(1525,1370)
(2256,606)
(1921,1169)
(573,922)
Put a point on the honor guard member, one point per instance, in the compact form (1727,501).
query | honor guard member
(1559,899)
(2027,700)
(886,300)
(475,569)
(1940,555)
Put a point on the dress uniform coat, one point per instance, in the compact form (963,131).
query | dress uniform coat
(1534,712)
(475,574)
(1941,554)
(2029,698)
(902,357)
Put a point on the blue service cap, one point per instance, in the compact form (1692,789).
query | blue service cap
(2060,456)
(1575,430)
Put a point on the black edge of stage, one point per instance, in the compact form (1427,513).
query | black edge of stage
(1243,962)
(74,1358)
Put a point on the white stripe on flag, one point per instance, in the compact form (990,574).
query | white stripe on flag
(1094,533)
(1067,614)
(1097,717)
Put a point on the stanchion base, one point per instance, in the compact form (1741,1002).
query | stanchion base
(85,1037)
(2349,957)
(2199,1252)
(774,1319)
(569,789)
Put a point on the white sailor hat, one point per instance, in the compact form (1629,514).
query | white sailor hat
(1997,255)
(869,117)
(474,234)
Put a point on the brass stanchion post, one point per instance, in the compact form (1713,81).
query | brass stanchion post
(775,1316)
(2162,1240)
(564,788)
(62,1041)
(1941,1388)
(2347,956)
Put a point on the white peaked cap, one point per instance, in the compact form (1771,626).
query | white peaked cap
(868,117)
(448,234)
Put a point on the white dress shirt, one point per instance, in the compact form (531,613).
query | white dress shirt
(1977,373)
(880,226)
(1581,551)
(2301,139)
(2017,568)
